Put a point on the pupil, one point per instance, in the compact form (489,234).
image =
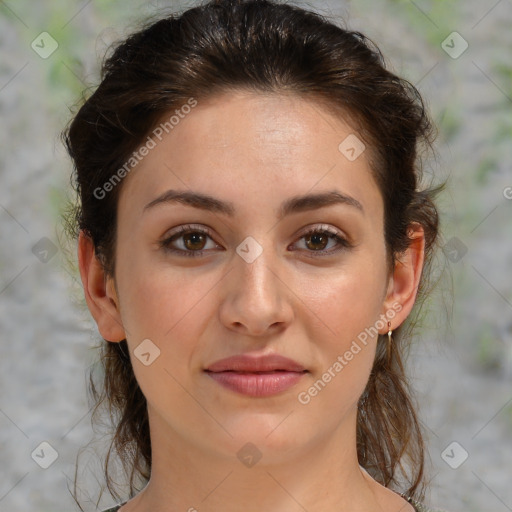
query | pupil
(191,240)
(317,239)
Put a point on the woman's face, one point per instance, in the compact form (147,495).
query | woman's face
(247,280)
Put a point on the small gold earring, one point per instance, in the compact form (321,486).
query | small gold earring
(389,342)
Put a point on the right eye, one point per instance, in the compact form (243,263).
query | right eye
(192,240)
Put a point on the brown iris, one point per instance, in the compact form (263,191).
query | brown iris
(193,240)
(317,238)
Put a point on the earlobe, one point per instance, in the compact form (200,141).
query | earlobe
(405,279)
(100,293)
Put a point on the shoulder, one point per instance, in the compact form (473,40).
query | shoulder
(420,507)
(113,509)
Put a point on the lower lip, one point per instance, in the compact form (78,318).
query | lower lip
(257,384)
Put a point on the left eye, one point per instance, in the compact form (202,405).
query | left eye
(318,240)
(192,241)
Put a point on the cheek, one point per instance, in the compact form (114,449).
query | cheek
(347,307)
(347,300)
(347,304)
(170,309)
(156,297)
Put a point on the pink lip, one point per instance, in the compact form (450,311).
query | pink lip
(256,376)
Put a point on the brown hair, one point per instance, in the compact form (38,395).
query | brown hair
(267,47)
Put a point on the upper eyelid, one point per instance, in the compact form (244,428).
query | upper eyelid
(190,228)
(186,228)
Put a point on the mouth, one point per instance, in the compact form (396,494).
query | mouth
(256,376)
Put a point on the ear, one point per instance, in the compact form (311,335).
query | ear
(100,293)
(404,280)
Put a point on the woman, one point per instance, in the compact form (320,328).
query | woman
(252,239)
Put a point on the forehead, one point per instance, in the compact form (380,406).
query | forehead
(249,145)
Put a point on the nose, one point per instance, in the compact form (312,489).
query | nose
(256,300)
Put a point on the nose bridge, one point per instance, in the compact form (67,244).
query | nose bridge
(256,298)
(257,279)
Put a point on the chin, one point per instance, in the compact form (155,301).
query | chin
(276,436)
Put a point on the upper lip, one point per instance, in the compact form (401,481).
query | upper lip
(244,363)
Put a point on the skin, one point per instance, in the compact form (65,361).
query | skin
(254,150)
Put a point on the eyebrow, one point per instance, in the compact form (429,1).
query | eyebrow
(294,204)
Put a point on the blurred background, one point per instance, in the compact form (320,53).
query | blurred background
(458,53)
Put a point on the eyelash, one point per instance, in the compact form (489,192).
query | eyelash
(183,230)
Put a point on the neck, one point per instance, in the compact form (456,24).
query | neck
(324,476)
